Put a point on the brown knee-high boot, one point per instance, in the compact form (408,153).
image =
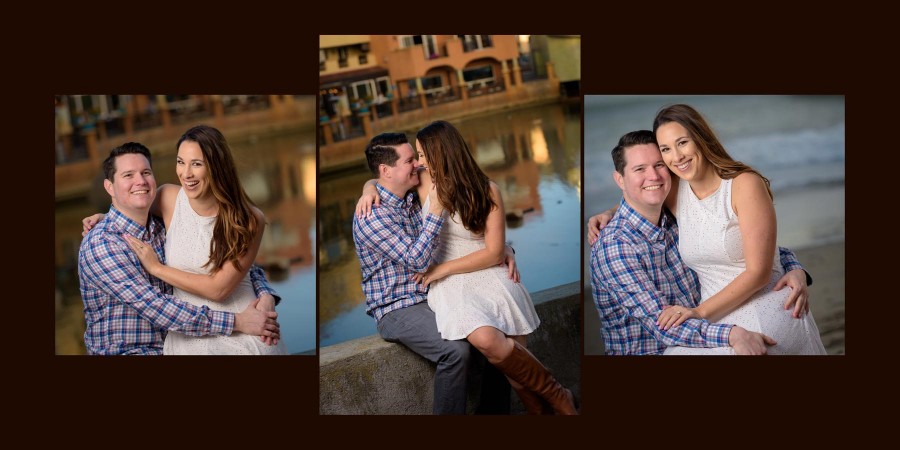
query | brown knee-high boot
(533,403)
(523,368)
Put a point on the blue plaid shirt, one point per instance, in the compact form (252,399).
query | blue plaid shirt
(126,310)
(635,271)
(392,245)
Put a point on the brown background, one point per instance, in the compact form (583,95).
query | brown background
(626,401)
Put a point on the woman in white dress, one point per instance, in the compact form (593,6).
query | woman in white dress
(213,233)
(473,297)
(727,231)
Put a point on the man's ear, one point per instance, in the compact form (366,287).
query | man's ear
(620,180)
(108,186)
(384,171)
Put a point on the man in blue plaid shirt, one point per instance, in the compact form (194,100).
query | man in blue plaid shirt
(126,310)
(636,270)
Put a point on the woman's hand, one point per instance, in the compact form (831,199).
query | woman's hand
(267,304)
(597,223)
(799,297)
(434,273)
(145,253)
(88,222)
(369,197)
(672,316)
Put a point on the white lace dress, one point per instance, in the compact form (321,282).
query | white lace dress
(710,243)
(487,297)
(187,249)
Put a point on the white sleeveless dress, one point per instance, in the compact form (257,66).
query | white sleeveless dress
(710,243)
(487,297)
(187,249)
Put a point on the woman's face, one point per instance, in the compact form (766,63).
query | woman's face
(192,170)
(422,161)
(679,151)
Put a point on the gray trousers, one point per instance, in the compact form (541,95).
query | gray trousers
(415,327)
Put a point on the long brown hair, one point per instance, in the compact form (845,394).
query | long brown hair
(461,185)
(710,146)
(235,222)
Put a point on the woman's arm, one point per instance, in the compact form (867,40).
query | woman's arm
(598,222)
(369,197)
(162,206)
(493,253)
(752,204)
(216,287)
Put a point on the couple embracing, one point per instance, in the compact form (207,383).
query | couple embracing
(432,251)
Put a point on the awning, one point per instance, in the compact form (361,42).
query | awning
(343,78)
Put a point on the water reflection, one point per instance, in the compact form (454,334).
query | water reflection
(279,174)
(534,156)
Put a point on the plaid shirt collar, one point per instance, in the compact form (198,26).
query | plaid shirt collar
(644,227)
(128,226)
(389,199)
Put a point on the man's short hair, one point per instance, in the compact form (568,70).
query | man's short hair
(381,150)
(109,164)
(629,140)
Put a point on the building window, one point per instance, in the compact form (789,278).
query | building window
(472,42)
(409,40)
(478,76)
(342,57)
(429,46)
(384,85)
(363,59)
(321,60)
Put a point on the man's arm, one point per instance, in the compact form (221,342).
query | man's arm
(261,284)
(384,235)
(790,263)
(616,267)
(117,272)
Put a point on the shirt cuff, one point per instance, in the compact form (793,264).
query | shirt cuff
(221,323)
(718,333)
(432,224)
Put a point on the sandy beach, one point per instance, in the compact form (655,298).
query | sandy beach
(826,265)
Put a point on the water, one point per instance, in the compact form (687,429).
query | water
(795,141)
(279,174)
(533,154)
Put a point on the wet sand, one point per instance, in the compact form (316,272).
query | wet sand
(826,265)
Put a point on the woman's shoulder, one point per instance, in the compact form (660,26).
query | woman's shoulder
(748,182)
(260,216)
(167,194)
(494,187)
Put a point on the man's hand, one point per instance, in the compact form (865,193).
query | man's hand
(267,304)
(510,261)
(255,322)
(799,297)
(748,342)
(597,223)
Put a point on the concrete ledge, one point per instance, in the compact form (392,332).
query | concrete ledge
(372,376)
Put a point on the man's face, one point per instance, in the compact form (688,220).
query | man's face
(133,187)
(646,180)
(404,174)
